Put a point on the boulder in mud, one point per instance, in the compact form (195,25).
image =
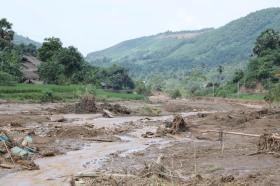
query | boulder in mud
(57,118)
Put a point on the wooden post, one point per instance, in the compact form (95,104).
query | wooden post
(213,85)
(238,89)
(221,139)
(195,163)
(234,133)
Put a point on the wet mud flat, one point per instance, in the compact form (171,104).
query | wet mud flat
(137,149)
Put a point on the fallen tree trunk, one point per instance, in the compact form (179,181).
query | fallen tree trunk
(6,166)
(98,139)
(97,174)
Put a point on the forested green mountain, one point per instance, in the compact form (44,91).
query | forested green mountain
(19,39)
(174,54)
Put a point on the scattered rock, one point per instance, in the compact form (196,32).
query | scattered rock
(227,179)
(201,115)
(47,153)
(107,114)
(148,135)
(57,118)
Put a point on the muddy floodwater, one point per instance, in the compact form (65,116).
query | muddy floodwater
(71,144)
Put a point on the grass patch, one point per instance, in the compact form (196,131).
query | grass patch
(247,96)
(35,93)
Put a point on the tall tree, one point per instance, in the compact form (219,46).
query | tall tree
(50,47)
(268,39)
(71,59)
(6,33)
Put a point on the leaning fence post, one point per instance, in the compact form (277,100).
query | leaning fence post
(221,139)
(195,163)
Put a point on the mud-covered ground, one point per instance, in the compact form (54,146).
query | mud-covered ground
(84,148)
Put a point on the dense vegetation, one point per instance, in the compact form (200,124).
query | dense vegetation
(188,60)
(9,55)
(60,65)
(262,73)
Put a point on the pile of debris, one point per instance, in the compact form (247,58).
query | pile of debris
(269,143)
(114,108)
(175,127)
(86,104)
(156,168)
(178,125)
(16,149)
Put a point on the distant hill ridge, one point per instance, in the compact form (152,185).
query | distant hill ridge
(173,53)
(19,39)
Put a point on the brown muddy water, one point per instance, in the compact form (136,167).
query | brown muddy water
(58,170)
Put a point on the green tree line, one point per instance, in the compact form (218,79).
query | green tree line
(60,65)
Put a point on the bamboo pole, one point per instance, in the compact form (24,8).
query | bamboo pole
(9,154)
(235,133)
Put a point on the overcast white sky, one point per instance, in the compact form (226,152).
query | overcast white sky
(97,24)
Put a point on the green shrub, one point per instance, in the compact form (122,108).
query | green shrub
(150,111)
(47,96)
(226,90)
(7,79)
(143,89)
(176,94)
(273,94)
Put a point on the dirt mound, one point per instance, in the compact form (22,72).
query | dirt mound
(234,119)
(76,132)
(88,104)
(105,179)
(19,120)
(176,126)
